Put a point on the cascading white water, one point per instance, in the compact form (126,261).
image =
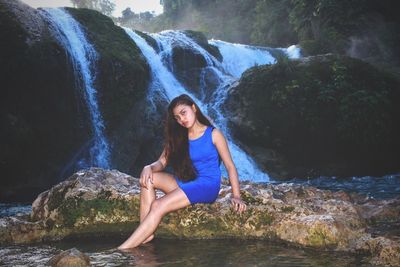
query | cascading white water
(83,58)
(292,51)
(163,80)
(165,83)
(238,57)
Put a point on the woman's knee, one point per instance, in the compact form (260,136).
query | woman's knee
(157,207)
(148,189)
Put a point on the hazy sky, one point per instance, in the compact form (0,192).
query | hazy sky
(136,6)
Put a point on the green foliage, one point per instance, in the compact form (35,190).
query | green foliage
(134,20)
(312,47)
(328,109)
(104,6)
(283,63)
(271,23)
(320,26)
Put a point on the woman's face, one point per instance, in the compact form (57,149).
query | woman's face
(185,115)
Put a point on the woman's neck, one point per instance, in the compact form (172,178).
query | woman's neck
(196,129)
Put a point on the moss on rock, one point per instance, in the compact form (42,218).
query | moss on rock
(105,203)
(325,115)
(123,73)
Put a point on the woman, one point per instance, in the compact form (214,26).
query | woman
(193,147)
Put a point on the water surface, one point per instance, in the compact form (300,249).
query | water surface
(175,252)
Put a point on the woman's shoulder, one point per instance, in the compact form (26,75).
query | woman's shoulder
(216,134)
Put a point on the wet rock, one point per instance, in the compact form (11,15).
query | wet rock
(45,121)
(70,258)
(97,202)
(29,19)
(37,77)
(190,66)
(308,117)
(19,230)
(385,252)
(201,40)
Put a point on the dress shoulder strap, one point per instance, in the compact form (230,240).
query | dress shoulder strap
(211,128)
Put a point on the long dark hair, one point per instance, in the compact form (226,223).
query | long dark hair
(176,142)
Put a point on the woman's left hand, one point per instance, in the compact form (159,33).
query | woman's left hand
(238,204)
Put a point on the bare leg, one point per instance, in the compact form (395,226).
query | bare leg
(174,200)
(161,180)
(147,196)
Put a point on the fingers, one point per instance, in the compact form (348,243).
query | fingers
(145,178)
(143,182)
(243,207)
(151,177)
(238,206)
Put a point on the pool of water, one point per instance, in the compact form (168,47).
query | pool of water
(175,252)
(12,209)
(383,187)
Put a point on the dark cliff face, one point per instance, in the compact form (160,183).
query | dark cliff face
(325,115)
(190,66)
(44,119)
(122,80)
(122,71)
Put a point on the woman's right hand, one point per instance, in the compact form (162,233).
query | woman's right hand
(145,175)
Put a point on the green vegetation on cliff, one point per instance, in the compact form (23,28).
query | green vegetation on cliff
(325,115)
(123,73)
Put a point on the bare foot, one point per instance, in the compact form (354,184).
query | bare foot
(148,239)
(122,248)
(144,242)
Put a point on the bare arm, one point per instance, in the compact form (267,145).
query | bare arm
(160,164)
(147,172)
(223,150)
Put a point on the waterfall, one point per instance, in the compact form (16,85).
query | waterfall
(164,83)
(238,57)
(83,58)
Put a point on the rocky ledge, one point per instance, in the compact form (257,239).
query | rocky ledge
(97,202)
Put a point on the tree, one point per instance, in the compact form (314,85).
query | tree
(104,6)
(146,16)
(271,24)
(127,15)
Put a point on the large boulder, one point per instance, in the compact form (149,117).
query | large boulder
(132,118)
(70,258)
(102,203)
(45,124)
(122,71)
(191,67)
(323,115)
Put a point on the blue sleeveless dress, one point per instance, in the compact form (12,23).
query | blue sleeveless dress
(205,158)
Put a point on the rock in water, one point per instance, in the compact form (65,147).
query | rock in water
(70,258)
(97,202)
